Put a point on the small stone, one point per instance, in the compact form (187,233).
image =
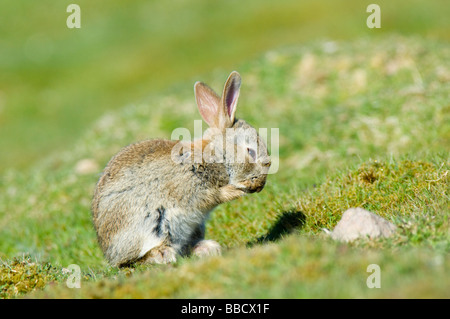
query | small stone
(360,223)
(86,166)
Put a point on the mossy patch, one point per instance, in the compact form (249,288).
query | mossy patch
(22,275)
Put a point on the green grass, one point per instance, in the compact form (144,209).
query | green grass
(294,268)
(362,123)
(55,82)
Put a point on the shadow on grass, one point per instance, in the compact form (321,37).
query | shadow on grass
(285,225)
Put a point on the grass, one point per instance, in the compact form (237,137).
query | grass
(55,82)
(297,267)
(362,123)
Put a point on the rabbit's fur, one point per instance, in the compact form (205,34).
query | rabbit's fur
(153,198)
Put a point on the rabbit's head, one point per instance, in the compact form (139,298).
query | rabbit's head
(233,142)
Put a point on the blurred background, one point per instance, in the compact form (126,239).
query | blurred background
(55,81)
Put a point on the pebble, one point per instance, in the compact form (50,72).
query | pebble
(360,223)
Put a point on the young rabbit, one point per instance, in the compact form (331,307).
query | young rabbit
(153,198)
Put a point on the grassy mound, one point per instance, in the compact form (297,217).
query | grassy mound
(361,123)
(288,263)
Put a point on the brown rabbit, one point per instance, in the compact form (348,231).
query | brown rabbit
(153,198)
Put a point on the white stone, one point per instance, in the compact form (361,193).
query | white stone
(360,223)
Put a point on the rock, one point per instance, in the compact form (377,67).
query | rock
(360,223)
(86,166)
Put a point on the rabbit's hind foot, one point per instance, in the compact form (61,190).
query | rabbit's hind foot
(159,255)
(206,248)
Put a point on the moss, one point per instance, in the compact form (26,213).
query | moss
(21,276)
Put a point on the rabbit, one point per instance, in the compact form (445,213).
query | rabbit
(153,198)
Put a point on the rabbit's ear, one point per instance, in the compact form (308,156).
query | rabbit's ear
(208,103)
(230,96)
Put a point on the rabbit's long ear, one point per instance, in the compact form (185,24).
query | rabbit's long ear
(230,97)
(208,103)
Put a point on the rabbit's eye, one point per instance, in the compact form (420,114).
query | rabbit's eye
(252,153)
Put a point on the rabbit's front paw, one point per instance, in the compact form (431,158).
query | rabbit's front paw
(207,248)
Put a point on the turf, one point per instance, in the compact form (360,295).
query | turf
(55,81)
(362,123)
